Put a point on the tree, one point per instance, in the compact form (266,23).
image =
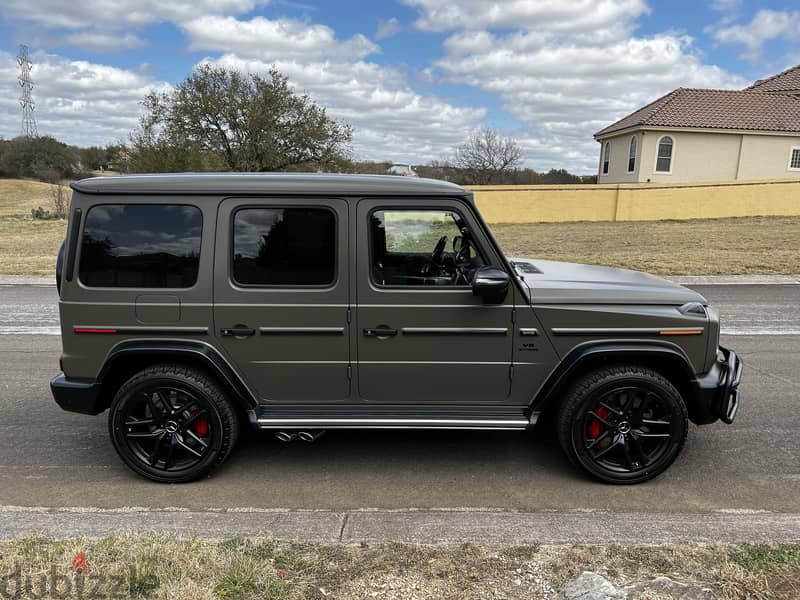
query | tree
(43,158)
(222,119)
(487,155)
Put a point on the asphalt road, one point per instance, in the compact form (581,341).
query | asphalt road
(49,458)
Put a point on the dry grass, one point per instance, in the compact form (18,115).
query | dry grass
(168,567)
(27,246)
(702,247)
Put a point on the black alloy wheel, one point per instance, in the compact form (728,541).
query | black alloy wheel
(623,424)
(172,424)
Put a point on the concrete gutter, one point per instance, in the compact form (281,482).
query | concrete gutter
(410,526)
(690,280)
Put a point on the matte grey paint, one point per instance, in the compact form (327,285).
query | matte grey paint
(451,348)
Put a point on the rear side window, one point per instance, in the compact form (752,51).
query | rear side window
(141,246)
(284,246)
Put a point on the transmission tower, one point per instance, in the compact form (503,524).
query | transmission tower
(26,99)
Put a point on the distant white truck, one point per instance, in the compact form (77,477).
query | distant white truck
(402,169)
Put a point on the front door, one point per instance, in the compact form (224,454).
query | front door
(423,337)
(281,296)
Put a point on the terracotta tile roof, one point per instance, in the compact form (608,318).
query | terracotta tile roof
(788,81)
(716,109)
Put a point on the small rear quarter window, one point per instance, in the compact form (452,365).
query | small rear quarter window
(141,246)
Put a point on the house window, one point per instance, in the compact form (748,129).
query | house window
(606,157)
(664,155)
(632,156)
(794,159)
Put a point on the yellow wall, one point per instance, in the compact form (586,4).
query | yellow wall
(637,202)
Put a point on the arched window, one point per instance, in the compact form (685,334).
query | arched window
(664,155)
(606,157)
(632,156)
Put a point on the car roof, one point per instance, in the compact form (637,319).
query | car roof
(268,183)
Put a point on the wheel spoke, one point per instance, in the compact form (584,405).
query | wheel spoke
(601,419)
(610,409)
(139,422)
(655,423)
(196,438)
(145,434)
(188,448)
(627,454)
(642,434)
(153,457)
(168,461)
(637,447)
(157,413)
(606,450)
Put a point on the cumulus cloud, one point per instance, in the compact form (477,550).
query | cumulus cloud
(265,38)
(766,25)
(387,28)
(559,77)
(119,14)
(76,101)
(565,16)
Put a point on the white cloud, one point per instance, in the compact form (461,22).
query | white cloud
(103,42)
(118,14)
(76,101)
(726,5)
(387,28)
(765,25)
(563,16)
(271,39)
(562,86)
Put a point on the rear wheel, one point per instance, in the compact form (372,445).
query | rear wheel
(172,424)
(624,424)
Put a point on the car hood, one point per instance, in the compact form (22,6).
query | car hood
(549,282)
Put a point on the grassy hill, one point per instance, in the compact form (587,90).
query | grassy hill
(27,246)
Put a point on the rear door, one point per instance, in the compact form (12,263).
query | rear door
(281,296)
(422,336)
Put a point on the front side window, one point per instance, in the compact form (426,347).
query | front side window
(141,246)
(606,157)
(632,156)
(422,248)
(664,156)
(284,246)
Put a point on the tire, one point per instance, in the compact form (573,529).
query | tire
(622,424)
(172,424)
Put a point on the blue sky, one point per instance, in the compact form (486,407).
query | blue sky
(413,77)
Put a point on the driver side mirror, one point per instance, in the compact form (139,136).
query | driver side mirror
(491,284)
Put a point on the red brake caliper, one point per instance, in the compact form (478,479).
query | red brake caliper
(200,426)
(595,426)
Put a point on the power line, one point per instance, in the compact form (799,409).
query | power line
(26,99)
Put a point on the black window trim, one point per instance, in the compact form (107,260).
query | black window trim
(427,288)
(79,254)
(266,286)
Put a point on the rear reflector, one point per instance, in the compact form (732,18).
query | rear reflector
(681,332)
(93,330)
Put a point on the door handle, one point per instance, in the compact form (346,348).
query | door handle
(238,331)
(381,331)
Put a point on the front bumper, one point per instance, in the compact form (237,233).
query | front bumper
(75,395)
(718,390)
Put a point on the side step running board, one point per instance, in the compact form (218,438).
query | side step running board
(356,416)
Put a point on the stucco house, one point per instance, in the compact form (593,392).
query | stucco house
(707,135)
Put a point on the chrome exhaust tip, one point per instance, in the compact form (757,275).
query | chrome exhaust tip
(311,436)
(286,436)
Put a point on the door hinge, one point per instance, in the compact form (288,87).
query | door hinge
(349,371)
(349,315)
(513,315)
(510,372)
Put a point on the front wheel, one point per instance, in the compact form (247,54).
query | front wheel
(624,424)
(172,424)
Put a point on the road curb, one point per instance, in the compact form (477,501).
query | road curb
(420,527)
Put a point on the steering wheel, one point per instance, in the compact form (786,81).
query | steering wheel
(438,252)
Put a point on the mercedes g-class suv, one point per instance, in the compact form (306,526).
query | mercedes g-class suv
(194,304)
